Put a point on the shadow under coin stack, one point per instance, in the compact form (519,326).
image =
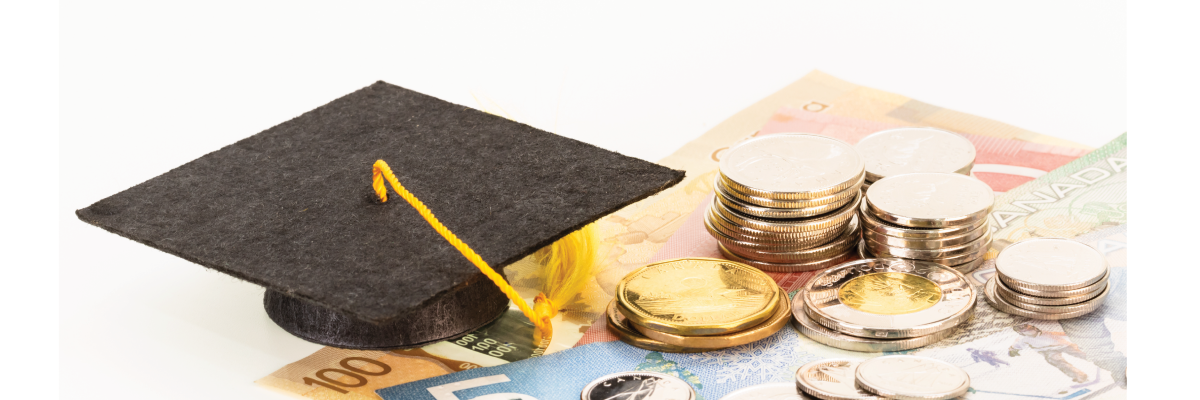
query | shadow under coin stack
(788,202)
(690,305)
(1048,278)
(907,150)
(883,304)
(935,217)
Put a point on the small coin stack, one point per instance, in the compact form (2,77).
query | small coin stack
(887,377)
(692,305)
(1048,278)
(883,304)
(908,150)
(788,202)
(928,216)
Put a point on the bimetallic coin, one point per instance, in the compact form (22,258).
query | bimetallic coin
(874,224)
(831,379)
(792,267)
(820,334)
(912,378)
(620,327)
(783,313)
(989,292)
(642,385)
(889,251)
(907,150)
(781,213)
(889,298)
(697,296)
(767,391)
(1050,264)
(819,223)
(930,200)
(928,244)
(967,249)
(1083,291)
(791,166)
(840,245)
(809,238)
(840,198)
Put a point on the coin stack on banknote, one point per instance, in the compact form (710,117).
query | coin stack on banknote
(928,216)
(696,304)
(883,304)
(788,202)
(1048,278)
(907,150)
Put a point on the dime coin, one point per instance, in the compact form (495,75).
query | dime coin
(841,245)
(874,224)
(839,197)
(783,313)
(791,166)
(912,378)
(930,200)
(889,298)
(906,150)
(831,379)
(989,292)
(813,238)
(792,267)
(819,223)
(619,326)
(767,391)
(697,296)
(782,213)
(967,249)
(889,251)
(927,244)
(1050,264)
(638,384)
(820,334)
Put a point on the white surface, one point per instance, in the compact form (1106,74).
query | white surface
(148,86)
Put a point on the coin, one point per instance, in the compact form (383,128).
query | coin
(773,212)
(1020,299)
(906,377)
(888,251)
(791,166)
(790,267)
(767,391)
(731,238)
(1085,306)
(874,224)
(839,197)
(930,200)
(697,296)
(862,249)
(928,244)
(841,245)
(967,249)
(640,385)
(620,327)
(831,379)
(889,298)
(967,267)
(1086,290)
(1050,264)
(989,292)
(905,150)
(808,238)
(821,334)
(819,223)
(782,314)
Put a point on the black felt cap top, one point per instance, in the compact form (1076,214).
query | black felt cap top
(292,209)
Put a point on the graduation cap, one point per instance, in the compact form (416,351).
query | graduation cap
(293,209)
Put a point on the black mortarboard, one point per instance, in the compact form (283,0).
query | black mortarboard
(292,209)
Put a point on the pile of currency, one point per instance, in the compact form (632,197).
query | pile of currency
(889,377)
(930,216)
(883,304)
(692,305)
(1048,278)
(907,150)
(787,202)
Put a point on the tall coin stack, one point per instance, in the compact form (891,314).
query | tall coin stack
(788,202)
(1048,278)
(907,150)
(928,216)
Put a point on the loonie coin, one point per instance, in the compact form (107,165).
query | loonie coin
(792,267)
(831,379)
(912,378)
(820,334)
(840,245)
(989,292)
(810,238)
(791,166)
(930,200)
(697,296)
(906,150)
(967,249)
(782,314)
(895,252)
(839,198)
(819,223)
(1050,264)
(620,327)
(767,391)
(640,385)
(874,224)
(889,298)
(1090,289)
(928,244)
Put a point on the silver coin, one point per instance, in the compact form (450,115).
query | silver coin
(831,379)
(874,224)
(805,239)
(1018,298)
(838,217)
(969,266)
(845,242)
(1086,306)
(791,166)
(740,242)
(880,250)
(912,378)
(789,267)
(930,200)
(862,250)
(907,150)
(728,192)
(1083,291)
(640,385)
(889,298)
(767,391)
(977,246)
(928,244)
(989,292)
(821,334)
(772,212)
(1050,264)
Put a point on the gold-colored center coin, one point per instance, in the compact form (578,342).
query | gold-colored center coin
(890,293)
(698,295)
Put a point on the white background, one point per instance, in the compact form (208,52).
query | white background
(148,86)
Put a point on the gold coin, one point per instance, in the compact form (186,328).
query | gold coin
(619,326)
(780,319)
(890,293)
(697,296)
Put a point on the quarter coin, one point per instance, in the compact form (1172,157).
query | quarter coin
(640,385)
(840,245)
(782,213)
(1083,291)
(1050,264)
(818,223)
(889,251)
(906,150)
(874,224)
(831,379)
(791,166)
(930,200)
(697,296)
(839,198)
(905,377)
(928,244)
(783,313)
(989,292)
(810,238)
(969,248)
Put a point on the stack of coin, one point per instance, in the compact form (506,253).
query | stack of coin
(788,202)
(697,304)
(928,216)
(883,304)
(908,150)
(887,377)
(1048,278)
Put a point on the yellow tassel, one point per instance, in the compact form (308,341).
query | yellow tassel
(566,267)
